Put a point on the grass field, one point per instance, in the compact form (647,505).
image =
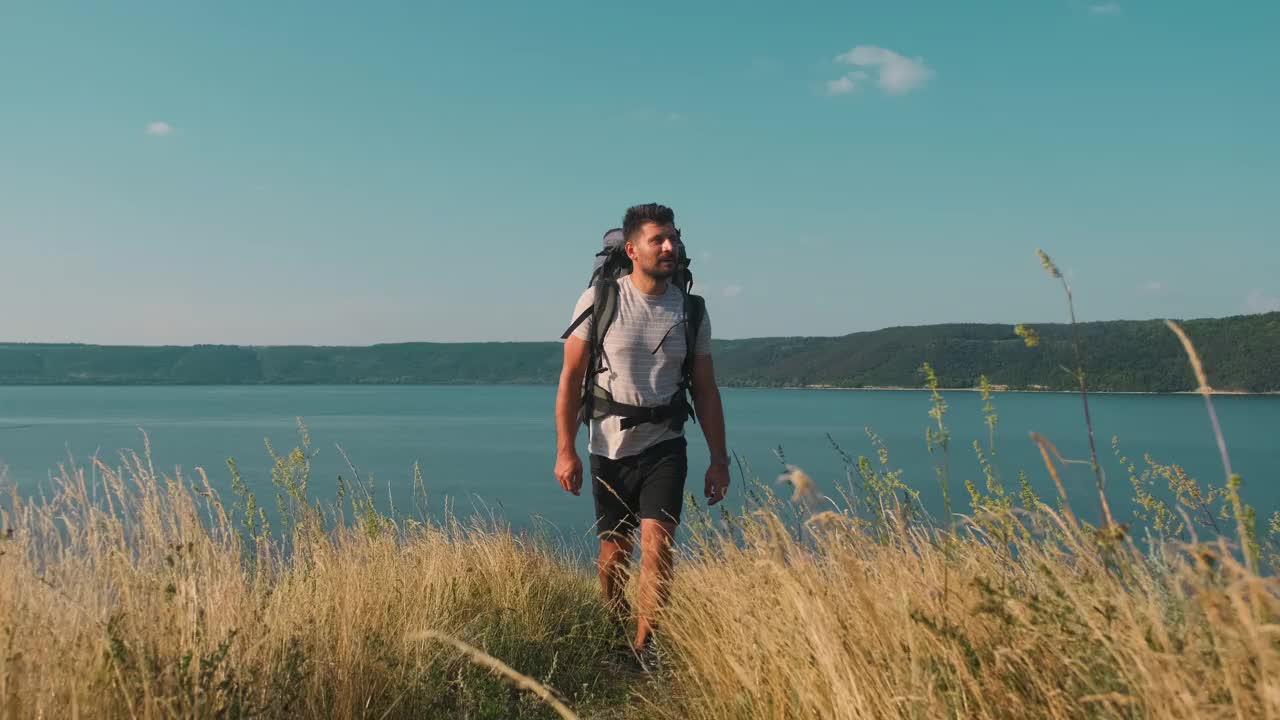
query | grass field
(131,593)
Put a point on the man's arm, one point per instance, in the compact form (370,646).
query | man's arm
(706,402)
(568,468)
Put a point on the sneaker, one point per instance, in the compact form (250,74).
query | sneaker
(649,658)
(622,658)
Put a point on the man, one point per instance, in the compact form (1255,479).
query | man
(638,473)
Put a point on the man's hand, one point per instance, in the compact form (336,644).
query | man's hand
(717,483)
(569,470)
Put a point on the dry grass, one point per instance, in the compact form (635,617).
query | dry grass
(833,621)
(132,595)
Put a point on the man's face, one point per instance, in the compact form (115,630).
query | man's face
(654,250)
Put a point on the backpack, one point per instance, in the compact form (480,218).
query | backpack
(610,264)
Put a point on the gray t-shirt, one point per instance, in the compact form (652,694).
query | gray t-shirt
(636,375)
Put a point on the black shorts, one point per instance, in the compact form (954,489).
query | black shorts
(649,485)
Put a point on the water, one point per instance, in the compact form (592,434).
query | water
(490,449)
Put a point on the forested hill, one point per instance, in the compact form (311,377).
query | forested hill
(1240,353)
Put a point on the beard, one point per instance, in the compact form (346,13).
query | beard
(660,270)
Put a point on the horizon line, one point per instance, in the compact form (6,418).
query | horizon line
(74,343)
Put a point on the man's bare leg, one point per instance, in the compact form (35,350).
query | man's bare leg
(613,568)
(655,575)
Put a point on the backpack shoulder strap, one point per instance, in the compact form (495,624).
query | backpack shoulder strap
(602,312)
(695,310)
(604,305)
(604,309)
(582,317)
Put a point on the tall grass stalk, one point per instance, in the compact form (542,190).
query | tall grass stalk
(940,438)
(1243,514)
(1083,384)
(484,659)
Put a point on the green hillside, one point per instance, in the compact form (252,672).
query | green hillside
(1240,353)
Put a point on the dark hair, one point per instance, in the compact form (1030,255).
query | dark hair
(638,215)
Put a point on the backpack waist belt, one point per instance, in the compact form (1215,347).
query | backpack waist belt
(674,413)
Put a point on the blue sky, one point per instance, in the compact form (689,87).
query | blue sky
(305,172)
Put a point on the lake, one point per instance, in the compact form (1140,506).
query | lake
(490,449)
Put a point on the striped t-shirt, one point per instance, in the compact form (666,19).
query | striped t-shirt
(635,375)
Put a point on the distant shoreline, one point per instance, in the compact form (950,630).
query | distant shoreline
(1141,357)
(731,386)
(1027,390)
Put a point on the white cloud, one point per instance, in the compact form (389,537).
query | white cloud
(1151,286)
(1109,8)
(1258,301)
(731,291)
(159,128)
(850,82)
(895,74)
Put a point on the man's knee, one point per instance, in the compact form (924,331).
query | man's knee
(656,531)
(656,539)
(614,554)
